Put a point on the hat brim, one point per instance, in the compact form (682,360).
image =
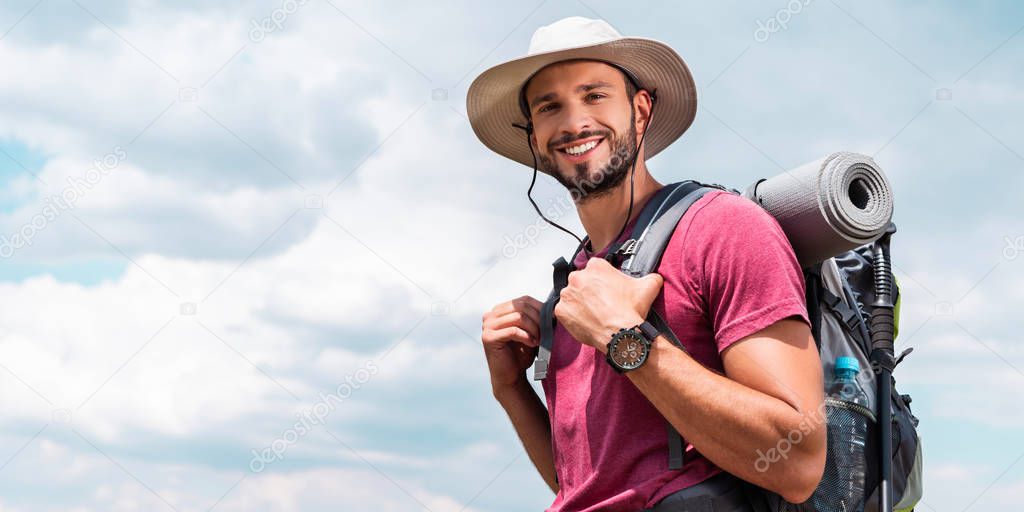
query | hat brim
(492,101)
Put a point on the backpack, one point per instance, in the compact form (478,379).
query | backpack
(839,293)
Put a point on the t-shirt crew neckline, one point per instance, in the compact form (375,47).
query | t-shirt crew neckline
(585,254)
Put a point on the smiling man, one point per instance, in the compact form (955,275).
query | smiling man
(582,151)
(588,107)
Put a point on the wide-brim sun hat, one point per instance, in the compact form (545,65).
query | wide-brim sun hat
(493,99)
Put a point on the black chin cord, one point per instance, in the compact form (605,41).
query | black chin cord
(529,131)
(632,171)
(529,192)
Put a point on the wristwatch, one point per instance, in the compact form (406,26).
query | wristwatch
(628,348)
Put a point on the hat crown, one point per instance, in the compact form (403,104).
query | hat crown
(571,32)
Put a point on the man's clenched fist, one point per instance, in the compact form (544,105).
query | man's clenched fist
(600,300)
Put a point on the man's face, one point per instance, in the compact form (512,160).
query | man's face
(584,125)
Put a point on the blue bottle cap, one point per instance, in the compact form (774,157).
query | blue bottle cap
(847,363)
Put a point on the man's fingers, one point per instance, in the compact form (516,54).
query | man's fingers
(531,310)
(516,320)
(532,351)
(532,302)
(514,333)
(528,305)
(519,319)
(597,261)
(651,286)
(654,279)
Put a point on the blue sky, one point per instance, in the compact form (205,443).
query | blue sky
(263,217)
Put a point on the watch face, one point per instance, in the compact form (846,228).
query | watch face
(628,351)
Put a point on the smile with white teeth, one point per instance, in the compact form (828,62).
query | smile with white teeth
(582,148)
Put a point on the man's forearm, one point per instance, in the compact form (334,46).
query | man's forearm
(729,423)
(529,416)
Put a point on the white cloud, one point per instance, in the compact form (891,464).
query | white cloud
(114,481)
(416,229)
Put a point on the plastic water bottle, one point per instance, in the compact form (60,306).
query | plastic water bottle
(842,487)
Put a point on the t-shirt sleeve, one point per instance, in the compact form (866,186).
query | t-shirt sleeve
(747,272)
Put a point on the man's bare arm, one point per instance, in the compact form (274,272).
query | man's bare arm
(772,391)
(510,337)
(528,415)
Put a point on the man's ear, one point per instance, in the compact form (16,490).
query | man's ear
(643,103)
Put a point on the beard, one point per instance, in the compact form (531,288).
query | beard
(587,181)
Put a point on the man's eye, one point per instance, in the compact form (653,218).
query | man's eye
(545,107)
(595,95)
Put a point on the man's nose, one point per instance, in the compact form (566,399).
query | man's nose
(575,120)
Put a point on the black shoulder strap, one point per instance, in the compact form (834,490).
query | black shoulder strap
(654,208)
(642,254)
(639,256)
(560,279)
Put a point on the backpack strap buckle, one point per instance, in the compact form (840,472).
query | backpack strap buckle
(560,279)
(629,247)
(848,314)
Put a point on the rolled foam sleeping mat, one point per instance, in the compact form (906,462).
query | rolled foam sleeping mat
(828,206)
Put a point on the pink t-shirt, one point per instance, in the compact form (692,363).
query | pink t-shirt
(729,272)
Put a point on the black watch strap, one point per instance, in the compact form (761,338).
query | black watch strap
(649,330)
(661,325)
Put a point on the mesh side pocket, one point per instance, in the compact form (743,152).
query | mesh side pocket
(842,486)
